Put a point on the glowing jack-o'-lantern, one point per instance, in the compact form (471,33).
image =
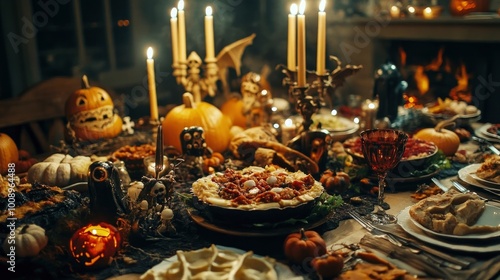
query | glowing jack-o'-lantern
(95,245)
(90,111)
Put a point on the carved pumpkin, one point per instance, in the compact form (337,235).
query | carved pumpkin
(9,153)
(215,125)
(328,265)
(28,240)
(304,246)
(446,140)
(233,108)
(90,112)
(335,181)
(95,245)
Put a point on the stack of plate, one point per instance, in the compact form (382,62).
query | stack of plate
(483,133)
(477,243)
(468,175)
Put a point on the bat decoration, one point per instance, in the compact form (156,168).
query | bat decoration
(230,57)
(107,201)
(338,75)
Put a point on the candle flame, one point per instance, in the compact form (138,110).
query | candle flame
(150,52)
(208,11)
(371,106)
(411,9)
(334,112)
(288,122)
(428,10)
(173,13)
(322,5)
(293,9)
(180,5)
(302,7)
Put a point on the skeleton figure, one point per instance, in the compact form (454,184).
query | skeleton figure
(198,86)
(257,102)
(194,146)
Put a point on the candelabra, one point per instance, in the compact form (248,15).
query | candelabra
(311,97)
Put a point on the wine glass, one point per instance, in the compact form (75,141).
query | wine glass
(382,149)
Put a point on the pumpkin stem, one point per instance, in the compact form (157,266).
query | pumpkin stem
(85,82)
(446,123)
(24,229)
(303,234)
(187,99)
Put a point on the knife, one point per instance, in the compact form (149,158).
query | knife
(487,144)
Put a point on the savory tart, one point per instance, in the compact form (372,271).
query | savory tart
(257,188)
(490,169)
(451,213)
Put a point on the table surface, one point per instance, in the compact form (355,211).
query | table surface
(349,231)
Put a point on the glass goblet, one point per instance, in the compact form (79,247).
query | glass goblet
(383,150)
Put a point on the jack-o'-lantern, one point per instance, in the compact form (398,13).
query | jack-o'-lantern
(95,245)
(91,115)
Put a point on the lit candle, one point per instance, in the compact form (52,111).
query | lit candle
(209,34)
(175,40)
(292,37)
(411,11)
(428,13)
(301,46)
(182,32)
(370,112)
(288,131)
(320,59)
(395,12)
(153,104)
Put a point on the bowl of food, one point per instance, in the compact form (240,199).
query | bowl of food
(448,108)
(340,128)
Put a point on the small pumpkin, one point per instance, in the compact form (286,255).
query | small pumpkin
(95,245)
(28,240)
(335,181)
(215,125)
(329,265)
(303,246)
(25,161)
(91,115)
(233,108)
(9,153)
(446,140)
(214,161)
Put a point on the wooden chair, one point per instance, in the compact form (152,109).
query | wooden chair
(37,116)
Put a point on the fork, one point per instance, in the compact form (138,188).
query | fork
(463,189)
(370,228)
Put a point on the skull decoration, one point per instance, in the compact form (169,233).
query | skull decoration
(91,115)
(107,201)
(193,141)
(257,102)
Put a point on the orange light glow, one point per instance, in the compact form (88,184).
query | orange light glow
(421,79)
(462,91)
(436,62)
(402,56)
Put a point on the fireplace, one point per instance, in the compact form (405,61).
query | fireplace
(468,71)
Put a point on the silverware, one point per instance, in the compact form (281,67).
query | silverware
(461,188)
(437,256)
(487,144)
(439,184)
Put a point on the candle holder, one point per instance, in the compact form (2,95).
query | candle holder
(311,97)
(189,74)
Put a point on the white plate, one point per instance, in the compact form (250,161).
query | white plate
(283,271)
(489,217)
(481,132)
(465,174)
(477,247)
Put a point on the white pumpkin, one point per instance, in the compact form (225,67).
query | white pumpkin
(60,170)
(28,239)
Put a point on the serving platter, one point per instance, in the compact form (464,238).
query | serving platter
(466,174)
(485,246)
(251,230)
(461,119)
(489,217)
(483,133)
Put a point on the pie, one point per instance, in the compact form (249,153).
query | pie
(490,169)
(494,129)
(257,188)
(451,213)
(414,148)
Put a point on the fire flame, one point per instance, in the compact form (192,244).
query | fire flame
(462,91)
(421,79)
(436,63)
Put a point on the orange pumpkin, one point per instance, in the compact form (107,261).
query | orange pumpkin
(95,245)
(233,108)
(304,246)
(9,153)
(335,181)
(215,125)
(90,112)
(329,265)
(446,140)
